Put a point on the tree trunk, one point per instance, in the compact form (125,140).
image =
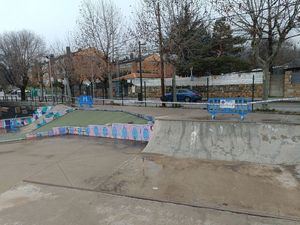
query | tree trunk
(110,88)
(23,93)
(80,88)
(266,84)
(174,89)
(72,92)
(68,91)
(161,54)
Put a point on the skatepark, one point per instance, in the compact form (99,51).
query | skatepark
(191,170)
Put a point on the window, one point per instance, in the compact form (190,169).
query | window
(295,78)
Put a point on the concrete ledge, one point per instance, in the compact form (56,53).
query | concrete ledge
(226,140)
(229,120)
(116,131)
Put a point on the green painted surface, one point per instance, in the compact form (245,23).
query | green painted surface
(81,119)
(12,137)
(84,118)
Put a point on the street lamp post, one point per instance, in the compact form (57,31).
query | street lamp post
(192,77)
(173,60)
(93,60)
(141,75)
(50,57)
(39,65)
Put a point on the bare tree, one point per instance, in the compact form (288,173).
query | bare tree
(263,21)
(90,65)
(79,66)
(99,26)
(149,27)
(18,52)
(160,23)
(3,82)
(63,66)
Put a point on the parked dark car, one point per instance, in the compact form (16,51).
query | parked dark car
(183,95)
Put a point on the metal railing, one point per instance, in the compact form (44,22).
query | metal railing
(45,99)
(58,99)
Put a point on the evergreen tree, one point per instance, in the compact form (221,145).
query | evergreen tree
(224,43)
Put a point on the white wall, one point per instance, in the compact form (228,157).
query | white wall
(226,79)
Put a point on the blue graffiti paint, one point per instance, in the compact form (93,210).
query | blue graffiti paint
(135,133)
(62,130)
(146,134)
(87,131)
(105,132)
(114,132)
(124,133)
(50,133)
(96,131)
(71,130)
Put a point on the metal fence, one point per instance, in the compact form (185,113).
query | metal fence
(61,99)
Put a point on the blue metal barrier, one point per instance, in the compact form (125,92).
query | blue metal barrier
(85,100)
(238,106)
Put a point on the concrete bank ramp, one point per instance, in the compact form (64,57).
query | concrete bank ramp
(61,109)
(227,140)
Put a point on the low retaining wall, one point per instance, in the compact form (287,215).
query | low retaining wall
(15,122)
(116,131)
(232,141)
(149,118)
(20,122)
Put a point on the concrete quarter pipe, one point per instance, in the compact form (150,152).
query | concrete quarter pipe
(270,143)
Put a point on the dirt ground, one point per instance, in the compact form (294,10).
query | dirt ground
(76,180)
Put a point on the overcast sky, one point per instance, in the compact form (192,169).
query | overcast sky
(52,19)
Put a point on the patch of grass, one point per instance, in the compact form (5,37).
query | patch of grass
(84,118)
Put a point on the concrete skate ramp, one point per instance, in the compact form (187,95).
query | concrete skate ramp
(269,143)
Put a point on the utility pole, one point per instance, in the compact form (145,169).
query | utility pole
(93,81)
(50,57)
(120,88)
(39,66)
(69,73)
(141,74)
(172,59)
(192,78)
(41,81)
(174,92)
(161,52)
(110,83)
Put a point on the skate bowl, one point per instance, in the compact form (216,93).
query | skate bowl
(267,143)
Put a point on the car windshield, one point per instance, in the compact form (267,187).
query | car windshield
(183,91)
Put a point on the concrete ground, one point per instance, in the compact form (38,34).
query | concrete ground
(283,106)
(278,106)
(76,180)
(245,187)
(201,114)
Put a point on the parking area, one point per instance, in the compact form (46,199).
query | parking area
(77,180)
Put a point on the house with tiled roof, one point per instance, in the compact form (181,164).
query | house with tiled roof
(129,71)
